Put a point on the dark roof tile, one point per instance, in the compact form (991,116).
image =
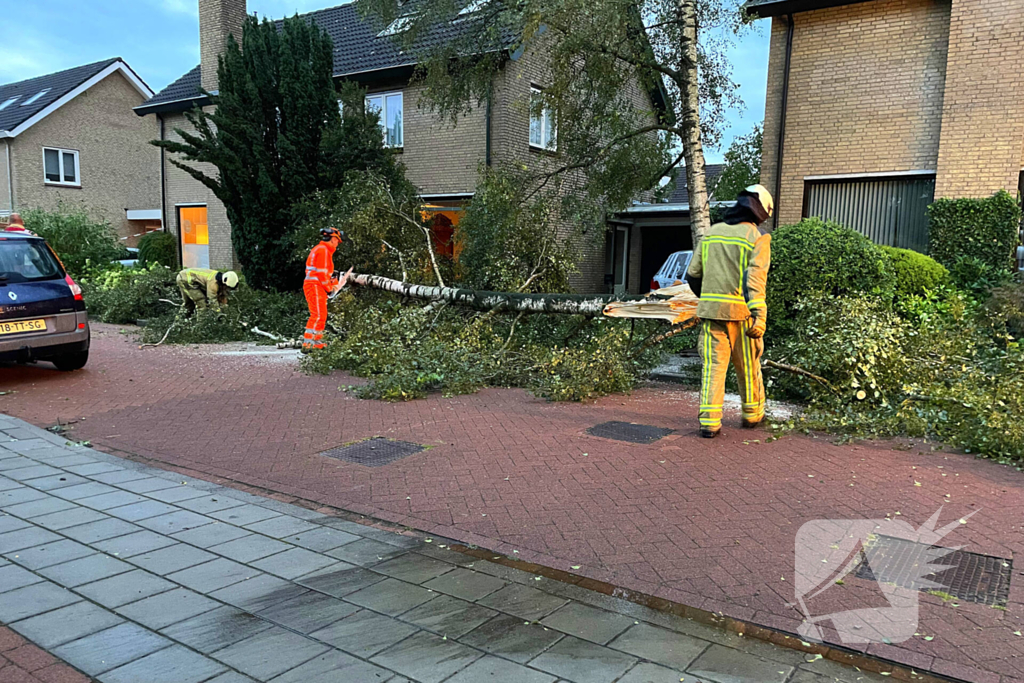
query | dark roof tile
(57,86)
(680,195)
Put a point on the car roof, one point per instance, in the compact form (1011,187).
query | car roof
(18,235)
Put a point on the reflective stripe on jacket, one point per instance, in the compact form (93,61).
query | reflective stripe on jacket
(204,279)
(732,263)
(320,265)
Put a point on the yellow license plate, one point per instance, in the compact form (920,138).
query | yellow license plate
(23,326)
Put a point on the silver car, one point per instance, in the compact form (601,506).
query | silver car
(673,270)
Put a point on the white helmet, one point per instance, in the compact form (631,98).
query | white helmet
(763,196)
(230,279)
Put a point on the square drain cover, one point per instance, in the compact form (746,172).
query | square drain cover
(627,431)
(374,452)
(983,579)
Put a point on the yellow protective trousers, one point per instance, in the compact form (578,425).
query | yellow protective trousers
(720,342)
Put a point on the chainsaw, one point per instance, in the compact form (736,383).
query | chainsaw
(341,283)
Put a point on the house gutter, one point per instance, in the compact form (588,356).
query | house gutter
(10,176)
(487,127)
(163,183)
(782,118)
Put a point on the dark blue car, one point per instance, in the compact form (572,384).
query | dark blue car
(42,314)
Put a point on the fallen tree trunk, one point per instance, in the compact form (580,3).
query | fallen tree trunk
(570,304)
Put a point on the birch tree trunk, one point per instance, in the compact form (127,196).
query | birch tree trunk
(693,151)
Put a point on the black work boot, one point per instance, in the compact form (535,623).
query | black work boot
(747,424)
(709,433)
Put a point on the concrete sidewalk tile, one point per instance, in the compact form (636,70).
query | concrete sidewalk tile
(147,484)
(426,657)
(413,567)
(213,575)
(84,490)
(13,577)
(270,653)
(216,630)
(124,588)
(354,528)
(309,612)
(393,538)
(94,468)
(342,581)
(174,664)
(115,499)
(65,460)
(364,634)
(172,558)
(241,515)
(366,552)
(20,539)
(726,665)
(579,660)
(231,677)
(27,446)
(465,584)
(523,601)
(322,539)
(58,481)
(335,667)
(210,534)
(120,477)
(145,509)
(391,597)
(8,484)
(100,530)
(259,592)
(645,672)
(509,637)
(588,623)
(176,494)
(175,521)
(22,494)
(671,649)
(62,520)
(448,616)
(12,460)
(85,570)
(491,668)
(279,527)
(208,504)
(9,523)
(249,548)
(34,599)
(40,507)
(168,608)
(111,648)
(294,563)
(24,432)
(138,543)
(51,554)
(66,624)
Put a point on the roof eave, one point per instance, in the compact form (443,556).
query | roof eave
(775,8)
(172,107)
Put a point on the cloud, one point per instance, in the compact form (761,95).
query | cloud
(31,59)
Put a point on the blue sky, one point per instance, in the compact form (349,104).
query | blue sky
(160,40)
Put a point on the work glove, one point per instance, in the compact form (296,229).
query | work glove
(757,327)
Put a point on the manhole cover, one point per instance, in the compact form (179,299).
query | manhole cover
(374,452)
(627,431)
(971,577)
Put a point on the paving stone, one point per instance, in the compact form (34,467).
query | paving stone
(9,523)
(176,494)
(213,575)
(671,649)
(175,521)
(100,530)
(209,504)
(124,588)
(107,501)
(448,616)
(109,649)
(645,672)
(465,584)
(353,528)
(244,514)
(497,670)
(120,477)
(175,664)
(294,563)
(34,599)
(172,558)
(364,633)
(62,520)
(249,548)
(217,629)
(7,484)
(94,468)
(42,506)
(66,624)
(391,597)
(309,612)
(335,667)
(19,495)
(279,527)
(51,554)
(64,460)
(726,665)
(588,623)
(13,577)
(233,677)
(147,484)
(413,567)
(259,592)
(579,660)
(15,462)
(142,510)
(211,534)
(270,653)
(84,490)
(142,541)
(85,570)
(393,538)
(509,637)
(426,657)
(167,608)
(25,474)
(28,446)
(322,539)
(340,582)
(58,481)
(523,601)
(20,539)
(366,552)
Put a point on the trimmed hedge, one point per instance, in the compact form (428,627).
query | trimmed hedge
(915,273)
(985,229)
(158,247)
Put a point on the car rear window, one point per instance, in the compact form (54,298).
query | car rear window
(27,261)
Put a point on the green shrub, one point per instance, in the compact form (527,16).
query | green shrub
(78,239)
(1005,309)
(984,229)
(914,273)
(124,295)
(819,256)
(974,275)
(158,247)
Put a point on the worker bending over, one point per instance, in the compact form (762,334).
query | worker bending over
(729,273)
(203,287)
(320,282)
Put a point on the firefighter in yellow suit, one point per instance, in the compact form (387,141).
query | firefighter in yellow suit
(729,272)
(202,287)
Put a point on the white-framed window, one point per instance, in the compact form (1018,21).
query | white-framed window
(389,106)
(60,167)
(543,134)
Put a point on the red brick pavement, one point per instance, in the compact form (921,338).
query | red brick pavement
(23,662)
(708,524)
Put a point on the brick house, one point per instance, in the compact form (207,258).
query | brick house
(442,160)
(874,108)
(71,137)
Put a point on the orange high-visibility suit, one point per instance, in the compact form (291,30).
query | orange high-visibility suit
(319,283)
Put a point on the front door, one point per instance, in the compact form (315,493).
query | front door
(195,237)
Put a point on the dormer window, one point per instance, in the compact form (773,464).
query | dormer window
(35,97)
(8,102)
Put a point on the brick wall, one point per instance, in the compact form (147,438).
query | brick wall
(217,20)
(119,168)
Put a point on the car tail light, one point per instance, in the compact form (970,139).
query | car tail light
(654,285)
(75,289)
